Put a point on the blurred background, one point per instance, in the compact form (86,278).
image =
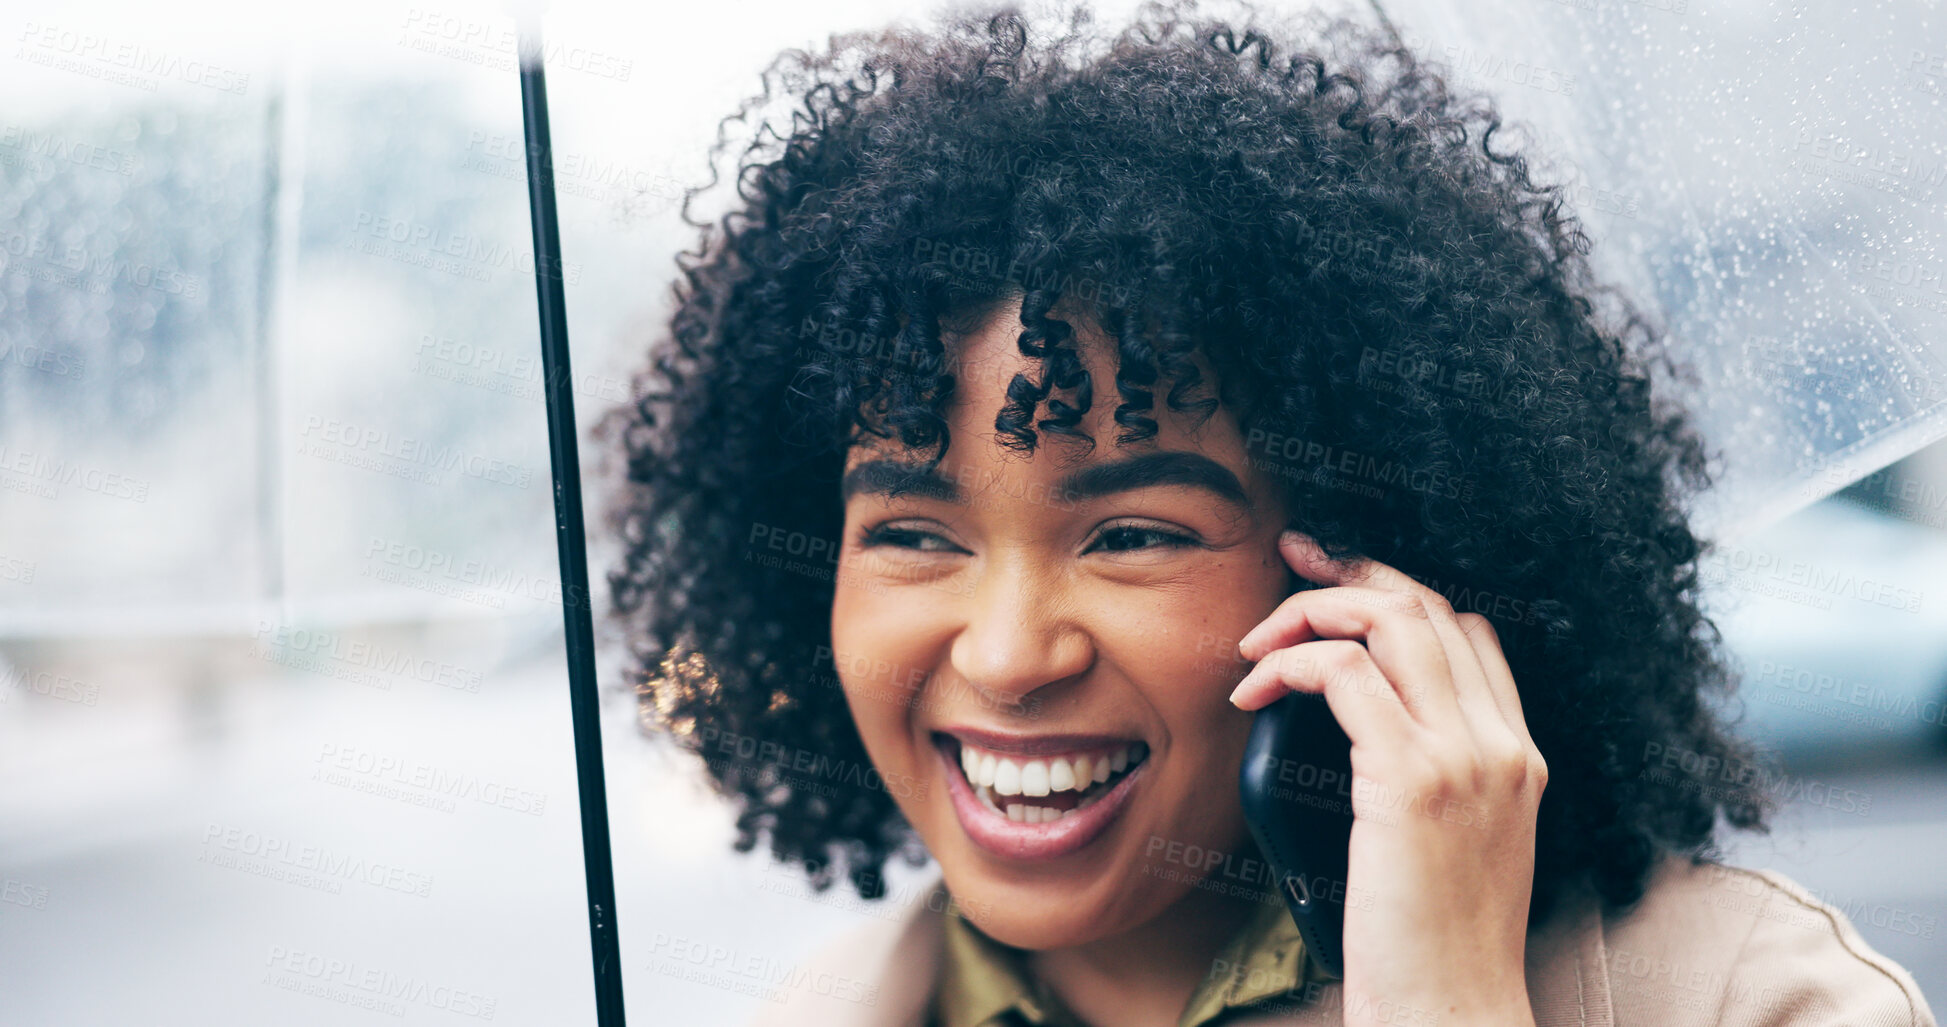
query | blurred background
(284,731)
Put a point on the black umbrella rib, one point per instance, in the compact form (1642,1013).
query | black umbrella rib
(572,546)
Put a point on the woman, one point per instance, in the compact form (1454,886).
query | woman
(1374,433)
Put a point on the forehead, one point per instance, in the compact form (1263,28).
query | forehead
(985,359)
(1207,453)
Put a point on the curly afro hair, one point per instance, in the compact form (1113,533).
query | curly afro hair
(1402,319)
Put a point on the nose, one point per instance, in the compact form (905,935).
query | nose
(1024,630)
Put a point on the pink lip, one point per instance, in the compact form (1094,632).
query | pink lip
(1031,842)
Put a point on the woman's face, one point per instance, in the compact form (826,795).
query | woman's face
(1024,628)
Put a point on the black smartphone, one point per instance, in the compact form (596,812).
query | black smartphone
(1297,788)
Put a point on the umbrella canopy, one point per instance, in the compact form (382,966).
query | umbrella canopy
(272,402)
(1771,181)
(1765,181)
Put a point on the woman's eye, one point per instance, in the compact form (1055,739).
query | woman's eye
(1128,537)
(1119,539)
(906,538)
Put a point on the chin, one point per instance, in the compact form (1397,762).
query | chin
(1053,913)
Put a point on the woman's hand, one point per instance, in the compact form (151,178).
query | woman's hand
(1446,784)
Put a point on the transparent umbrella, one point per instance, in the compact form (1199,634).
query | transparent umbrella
(1770,179)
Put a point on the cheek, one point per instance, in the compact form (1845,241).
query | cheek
(1183,650)
(1186,639)
(876,652)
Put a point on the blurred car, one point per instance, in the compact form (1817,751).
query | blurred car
(1837,618)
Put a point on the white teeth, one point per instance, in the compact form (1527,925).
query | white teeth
(1028,813)
(1034,777)
(1007,778)
(1003,776)
(1038,777)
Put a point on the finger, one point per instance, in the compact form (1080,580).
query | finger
(1364,702)
(1479,707)
(1309,559)
(1306,559)
(1299,553)
(1398,635)
(1500,678)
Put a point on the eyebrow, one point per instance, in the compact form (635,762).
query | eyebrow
(892,479)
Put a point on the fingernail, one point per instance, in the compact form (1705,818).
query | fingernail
(1289,537)
(1242,686)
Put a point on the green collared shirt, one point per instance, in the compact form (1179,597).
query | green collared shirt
(984,983)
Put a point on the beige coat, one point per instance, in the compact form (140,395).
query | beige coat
(1706,945)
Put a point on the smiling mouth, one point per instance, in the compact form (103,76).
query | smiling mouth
(1041,789)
